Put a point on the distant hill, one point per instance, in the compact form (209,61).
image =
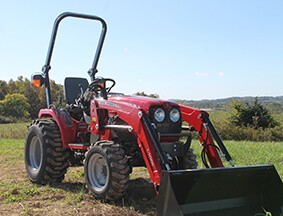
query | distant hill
(272,102)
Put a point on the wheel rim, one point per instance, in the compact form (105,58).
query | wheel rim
(35,153)
(98,172)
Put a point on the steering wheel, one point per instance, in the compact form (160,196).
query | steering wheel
(99,85)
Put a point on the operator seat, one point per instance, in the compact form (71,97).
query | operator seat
(72,88)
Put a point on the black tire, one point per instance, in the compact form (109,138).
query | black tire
(45,158)
(106,170)
(75,161)
(189,161)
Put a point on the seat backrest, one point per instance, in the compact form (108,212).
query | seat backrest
(72,88)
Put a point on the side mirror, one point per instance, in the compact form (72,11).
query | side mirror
(37,80)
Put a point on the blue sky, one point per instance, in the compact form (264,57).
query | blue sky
(201,49)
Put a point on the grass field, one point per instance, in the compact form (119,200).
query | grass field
(20,197)
(14,130)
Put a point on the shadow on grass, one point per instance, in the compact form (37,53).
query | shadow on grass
(73,187)
(140,195)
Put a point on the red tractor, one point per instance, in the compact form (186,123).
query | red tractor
(109,133)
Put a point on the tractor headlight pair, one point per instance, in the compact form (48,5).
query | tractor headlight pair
(159,115)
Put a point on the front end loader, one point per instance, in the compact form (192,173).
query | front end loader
(110,133)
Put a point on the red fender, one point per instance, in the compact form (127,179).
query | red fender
(67,125)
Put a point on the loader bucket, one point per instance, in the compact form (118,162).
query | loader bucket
(241,191)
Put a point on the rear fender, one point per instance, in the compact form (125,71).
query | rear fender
(66,124)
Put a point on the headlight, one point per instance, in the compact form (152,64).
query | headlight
(159,115)
(174,115)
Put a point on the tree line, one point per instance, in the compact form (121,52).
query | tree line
(19,100)
(274,104)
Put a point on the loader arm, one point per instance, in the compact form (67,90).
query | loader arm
(198,121)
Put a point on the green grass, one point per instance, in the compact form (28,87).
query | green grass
(251,153)
(13,130)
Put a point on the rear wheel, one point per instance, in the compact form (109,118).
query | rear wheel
(45,158)
(106,170)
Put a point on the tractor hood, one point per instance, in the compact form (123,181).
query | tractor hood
(142,102)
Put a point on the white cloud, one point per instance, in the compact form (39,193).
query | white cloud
(125,49)
(201,74)
(221,74)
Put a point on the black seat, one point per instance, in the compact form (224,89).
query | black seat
(72,88)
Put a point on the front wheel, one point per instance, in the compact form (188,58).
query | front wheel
(189,161)
(106,170)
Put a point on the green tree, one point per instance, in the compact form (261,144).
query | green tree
(15,105)
(3,89)
(255,115)
(35,96)
(1,108)
(57,92)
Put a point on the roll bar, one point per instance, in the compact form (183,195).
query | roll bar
(93,70)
